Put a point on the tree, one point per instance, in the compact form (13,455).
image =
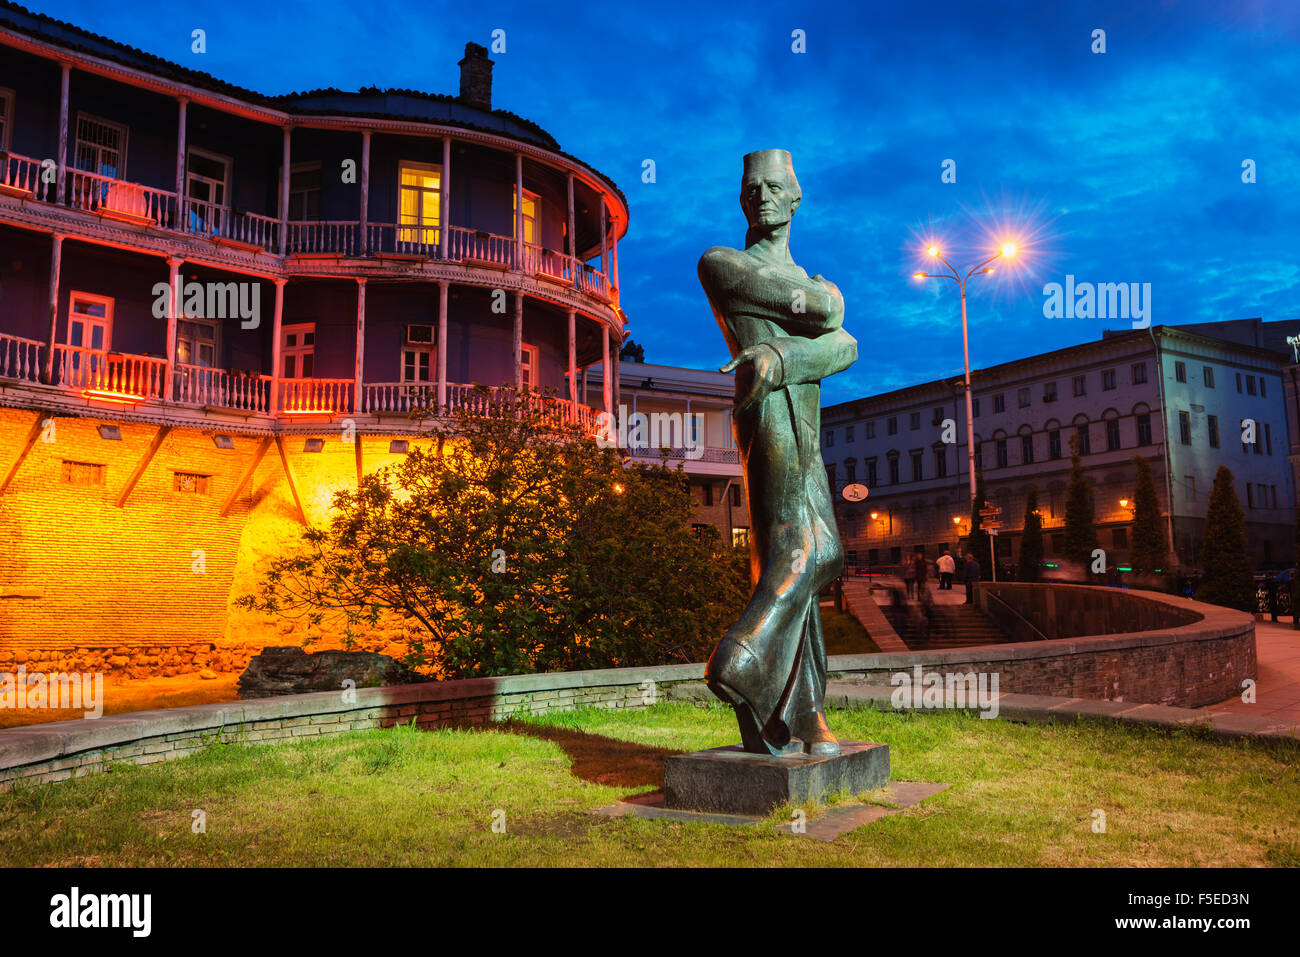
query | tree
(977,543)
(1031,540)
(1295,579)
(632,352)
(1149,549)
(1080,524)
(514,544)
(1225,557)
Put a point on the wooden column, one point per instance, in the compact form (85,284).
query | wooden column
(284,192)
(604,241)
(573,361)
(275,345)
(442,344)
(607,375)
(573,238)
(173,313)
(444,199)
(182,126)
(613,264)
(358,402)
(365,193)
(56,263)
(519,211)
(65,77)
(519,341)
(617,391)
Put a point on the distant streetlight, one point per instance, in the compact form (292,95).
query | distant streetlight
(1008,249)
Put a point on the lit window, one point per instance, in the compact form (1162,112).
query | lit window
(532,203)
(528,363)
(418,198)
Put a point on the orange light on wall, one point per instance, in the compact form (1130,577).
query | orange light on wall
(126,398)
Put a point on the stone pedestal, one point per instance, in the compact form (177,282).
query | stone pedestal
(732,781)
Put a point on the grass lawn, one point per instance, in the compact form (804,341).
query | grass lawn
(1019,795)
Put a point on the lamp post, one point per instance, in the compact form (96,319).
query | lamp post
(1008,249)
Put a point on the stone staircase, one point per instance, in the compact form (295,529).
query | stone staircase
(953,626)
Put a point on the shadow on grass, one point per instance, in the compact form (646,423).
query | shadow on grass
(601,760)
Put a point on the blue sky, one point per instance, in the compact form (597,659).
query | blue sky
(1117,167)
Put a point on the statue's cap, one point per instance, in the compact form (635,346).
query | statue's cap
(761,158)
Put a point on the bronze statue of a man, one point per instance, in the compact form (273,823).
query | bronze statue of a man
(785,333)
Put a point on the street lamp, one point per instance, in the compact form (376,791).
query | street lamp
(1008,249)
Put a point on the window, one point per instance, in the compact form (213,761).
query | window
(1080,383)
(1185,428)
(418,198)
(1085,440)
(1250,495)
(1207,374)
(1180,371)
(830,438)
(196,343)
(1108,380)
(895,555)
(975,408)
(1257,444)
(1238,383)
(1213,422)
(740,536)
(207,186)
(100,147)
(941,463)
(918,469)
(1054,444)
(83,473)
(528,366)
(979,455)
(1112,435)
(532,206)
(1049,392)
(915,421)
(298,350)
(1119,537)
(191,483)
(893,471)
(999,403)
(1250,385)
(1139,371)
(871,473)
(892,425)
(937,418)
(1144,428)
(1268,436)
(850,470)
(417,363)
(849,433)
(1002,453)
(304,192)
(1190,482)
(1262,390)
(6,117)
(1022,397)
(1027,449)
(707,488)
(90,323)
(870,430)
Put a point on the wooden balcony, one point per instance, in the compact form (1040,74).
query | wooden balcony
(109,376)
(20,358)
(220,389)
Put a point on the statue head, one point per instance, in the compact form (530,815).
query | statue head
(769,192)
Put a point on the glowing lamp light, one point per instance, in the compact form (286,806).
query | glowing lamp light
(618,488)
(875,514)
(988,269)
(956,520)
(1009,249)
(127,398)
(933,250)
(918,275)
(1123,503)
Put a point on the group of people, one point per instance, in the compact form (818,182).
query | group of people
(917,572)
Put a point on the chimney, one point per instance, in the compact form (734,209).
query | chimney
(476,77)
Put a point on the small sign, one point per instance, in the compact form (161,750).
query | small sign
(990,512)
(992,526)
(855,493)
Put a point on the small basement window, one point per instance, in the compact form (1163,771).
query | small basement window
(83,473)
(191,482)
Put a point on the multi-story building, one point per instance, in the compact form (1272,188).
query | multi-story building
(687,413)
(192,273)
(1181,400)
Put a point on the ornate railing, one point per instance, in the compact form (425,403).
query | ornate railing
(475,245)
(220,388)
(22,174)
(20,358)
(315,396)
(325,237)
(697,454)
(593,282)
(540,261)
(398,397)
(110,375)
(93,193)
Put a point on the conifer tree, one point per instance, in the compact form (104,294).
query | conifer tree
(1225,559)
(1080,524)
(1149,549)
(1031,540)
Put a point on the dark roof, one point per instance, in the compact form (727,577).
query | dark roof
(395,104)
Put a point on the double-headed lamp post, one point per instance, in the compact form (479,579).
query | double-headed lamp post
(1009,249)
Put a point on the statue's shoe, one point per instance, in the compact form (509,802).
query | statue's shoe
(818,740)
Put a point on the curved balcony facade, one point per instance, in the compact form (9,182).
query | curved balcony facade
(185,252)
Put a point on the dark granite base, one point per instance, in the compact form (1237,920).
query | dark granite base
(731,781)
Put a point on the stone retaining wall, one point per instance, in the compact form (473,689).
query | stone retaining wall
(1191,665)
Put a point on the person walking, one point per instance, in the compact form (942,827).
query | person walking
(946,568)
(971,577)
(909,579)
(922,573)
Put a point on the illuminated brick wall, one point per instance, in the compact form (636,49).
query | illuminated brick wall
(147,588)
